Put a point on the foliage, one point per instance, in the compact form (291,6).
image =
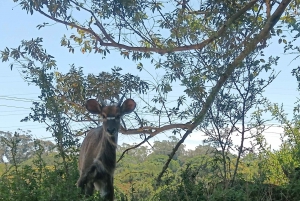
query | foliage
(191,37)
(213,49)
(37,181)
(24,151)
(240,101)
(134,179)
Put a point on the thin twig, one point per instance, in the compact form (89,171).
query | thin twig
(136,146)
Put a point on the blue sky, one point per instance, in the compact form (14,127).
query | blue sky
(16,96)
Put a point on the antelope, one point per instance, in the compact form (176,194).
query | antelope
(97,157)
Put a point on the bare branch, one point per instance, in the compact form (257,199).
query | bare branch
(136,146)
(152,131)
(268,5)
(172,154)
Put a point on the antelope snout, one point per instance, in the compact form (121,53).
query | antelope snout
(111,130)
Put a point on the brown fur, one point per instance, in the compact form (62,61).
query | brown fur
(97,157)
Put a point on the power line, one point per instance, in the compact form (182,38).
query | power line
(14,97)
(11,111)
(14,107)
(15,114)
(21,126)
(17,99)
(23,94)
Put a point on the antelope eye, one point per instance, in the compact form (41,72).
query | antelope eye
(118,117)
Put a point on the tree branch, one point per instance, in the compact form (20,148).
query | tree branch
(152,131)
(162,51)
(136,146)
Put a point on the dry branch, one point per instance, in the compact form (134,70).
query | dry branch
(133,147)
(152,131)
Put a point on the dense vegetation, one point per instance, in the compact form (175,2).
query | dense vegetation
(192,174)
(214,50)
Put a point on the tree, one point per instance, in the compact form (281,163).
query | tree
(193,43)
(237,113)
(19,146)
(166,146)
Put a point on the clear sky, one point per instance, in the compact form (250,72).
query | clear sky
(16,96)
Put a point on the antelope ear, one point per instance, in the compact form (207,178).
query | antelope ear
(128,106)
(93,106)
